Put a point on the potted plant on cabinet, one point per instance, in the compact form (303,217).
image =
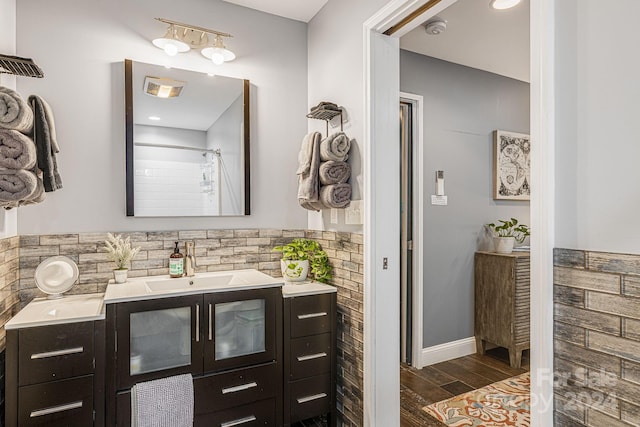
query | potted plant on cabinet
(507,233)
(301,257)
(119,251)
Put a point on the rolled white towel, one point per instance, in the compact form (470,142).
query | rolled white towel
(15,113)
(335,196)
(335,147)
(333,172)
(17,151)
(15,186)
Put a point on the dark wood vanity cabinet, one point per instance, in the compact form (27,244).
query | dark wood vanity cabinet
(228,341)
(502,302)
(310,357)
(55,375)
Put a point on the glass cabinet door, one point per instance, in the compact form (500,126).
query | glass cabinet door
(159,338)
(240,328)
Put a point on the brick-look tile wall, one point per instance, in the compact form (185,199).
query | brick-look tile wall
(9,299)
(596,338)
(346,251)
(223,250)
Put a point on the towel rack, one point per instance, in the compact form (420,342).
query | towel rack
(19,66)
(327,116)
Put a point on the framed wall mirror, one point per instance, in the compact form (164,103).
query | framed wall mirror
(187,142)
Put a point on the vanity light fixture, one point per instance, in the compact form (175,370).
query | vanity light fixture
(503,4)
(183,37)
(171,43)
(218,53)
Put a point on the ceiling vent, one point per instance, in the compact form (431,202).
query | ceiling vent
(435,26)
(163,87)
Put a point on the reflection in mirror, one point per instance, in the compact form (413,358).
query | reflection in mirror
(187,142)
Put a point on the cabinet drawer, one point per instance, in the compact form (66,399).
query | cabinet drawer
(57,403)
(230,389)
(310,356)
(310,315)
(256,414)
(55,352)
(310,397)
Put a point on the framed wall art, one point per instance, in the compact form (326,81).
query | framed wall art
(511,166)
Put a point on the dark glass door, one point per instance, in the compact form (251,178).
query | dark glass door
(159,338)
(239,328)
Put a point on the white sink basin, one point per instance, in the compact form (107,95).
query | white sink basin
(185,283)
(73,308)
(152,287)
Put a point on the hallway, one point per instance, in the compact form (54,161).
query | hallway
(447,379)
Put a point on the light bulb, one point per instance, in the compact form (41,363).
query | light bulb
(170,49)
(217,57)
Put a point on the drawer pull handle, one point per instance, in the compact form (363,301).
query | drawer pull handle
(56,353)
(239,422)
(311,398)
(311,315)
(210,324)
(311,357)
(56,409)
(239,388)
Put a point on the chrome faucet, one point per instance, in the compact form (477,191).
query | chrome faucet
(190,259)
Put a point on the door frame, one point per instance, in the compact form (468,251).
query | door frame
(381,376)
(417,102)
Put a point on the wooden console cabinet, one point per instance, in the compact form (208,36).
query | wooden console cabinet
(502,302)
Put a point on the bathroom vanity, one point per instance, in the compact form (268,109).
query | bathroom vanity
(222,328)
(55,363)
(260,353)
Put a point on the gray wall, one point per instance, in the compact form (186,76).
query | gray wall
(81,46)
(462,107)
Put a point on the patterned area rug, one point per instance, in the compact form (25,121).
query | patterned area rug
(505,403)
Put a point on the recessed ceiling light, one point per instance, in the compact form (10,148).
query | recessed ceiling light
(154,118)
(503,4)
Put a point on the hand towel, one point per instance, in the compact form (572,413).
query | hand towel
(333,172)
(16,185)
(308,170)
(15,113)
(38,195)
(336,195)
(167,402)
(335,147)
(17,151)
(324,105)
(46,144)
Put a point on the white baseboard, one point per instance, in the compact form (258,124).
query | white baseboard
(447,351)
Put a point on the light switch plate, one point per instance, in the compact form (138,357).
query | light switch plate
(353,213)
(334,216)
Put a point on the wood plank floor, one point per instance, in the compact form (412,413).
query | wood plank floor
(441,381)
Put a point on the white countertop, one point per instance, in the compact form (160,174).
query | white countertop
(68,309)
(293,289)
(153,287)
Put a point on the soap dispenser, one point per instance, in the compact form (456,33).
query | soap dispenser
(176,263)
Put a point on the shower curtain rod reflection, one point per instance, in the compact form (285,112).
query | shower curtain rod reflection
(179,147)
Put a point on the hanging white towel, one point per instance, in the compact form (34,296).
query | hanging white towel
(167,402)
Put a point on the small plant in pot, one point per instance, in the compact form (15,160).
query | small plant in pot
(507,233)
(302,258)
(119,251)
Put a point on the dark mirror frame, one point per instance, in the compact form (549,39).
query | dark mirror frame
(130,171)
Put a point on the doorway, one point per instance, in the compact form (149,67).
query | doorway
(381,75)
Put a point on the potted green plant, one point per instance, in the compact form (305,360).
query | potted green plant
(301,257)
(507,233)
(119,251)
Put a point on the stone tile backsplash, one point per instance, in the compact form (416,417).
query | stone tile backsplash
(216,250)
(9,297)
(596,338)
